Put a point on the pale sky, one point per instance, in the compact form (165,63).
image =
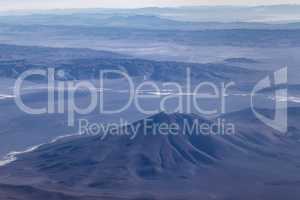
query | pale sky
(51,4)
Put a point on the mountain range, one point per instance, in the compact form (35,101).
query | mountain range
(269,13)
(148,22)
(85,64)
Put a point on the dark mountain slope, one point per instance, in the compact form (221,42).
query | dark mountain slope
(193,165)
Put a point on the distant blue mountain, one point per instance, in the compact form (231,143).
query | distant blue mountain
(275,13)
(138,21)
(85,35)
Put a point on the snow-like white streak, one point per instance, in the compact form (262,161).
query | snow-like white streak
(288,99)
(7,160)
(61,137)
(12,156)
(6,96)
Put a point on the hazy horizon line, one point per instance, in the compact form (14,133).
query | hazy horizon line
(149,7)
